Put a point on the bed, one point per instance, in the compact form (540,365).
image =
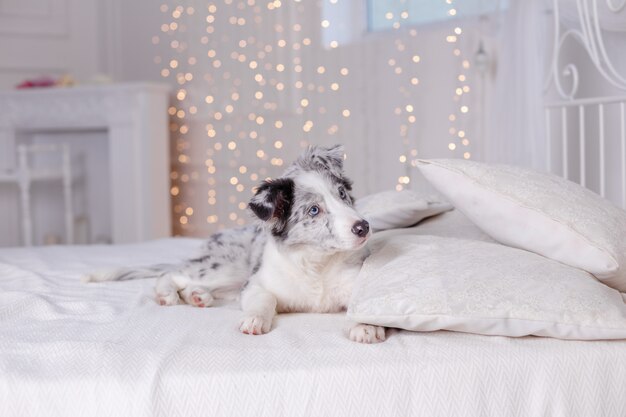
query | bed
(68,348)
(107,349)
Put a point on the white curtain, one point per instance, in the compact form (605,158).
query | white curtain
(515,125)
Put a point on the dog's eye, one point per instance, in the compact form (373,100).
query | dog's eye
(314,211)
(342,193)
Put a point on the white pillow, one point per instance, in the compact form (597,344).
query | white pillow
(538,212)
(428,283)
(395,209)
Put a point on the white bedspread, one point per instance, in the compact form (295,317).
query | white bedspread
(72,349)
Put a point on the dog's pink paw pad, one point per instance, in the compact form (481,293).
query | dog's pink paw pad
(167,299)
(201,298)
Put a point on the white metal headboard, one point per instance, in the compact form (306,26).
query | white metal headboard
(587,135)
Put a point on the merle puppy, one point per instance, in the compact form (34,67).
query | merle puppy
(302,256)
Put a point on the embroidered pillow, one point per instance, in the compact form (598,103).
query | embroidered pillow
(538,212)
(396,209)
(427,283)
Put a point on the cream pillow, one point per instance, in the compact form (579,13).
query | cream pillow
(428,283)
(538,212)
(396,209)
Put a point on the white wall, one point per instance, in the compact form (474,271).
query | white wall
(48,37)
(127,28)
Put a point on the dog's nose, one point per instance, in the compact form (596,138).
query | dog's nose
(361,228)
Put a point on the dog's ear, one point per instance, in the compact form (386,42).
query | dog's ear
(330,159)
(272,203)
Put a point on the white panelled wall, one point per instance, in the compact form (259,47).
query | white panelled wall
(51,37)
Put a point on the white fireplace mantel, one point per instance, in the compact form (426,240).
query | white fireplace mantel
(135,118)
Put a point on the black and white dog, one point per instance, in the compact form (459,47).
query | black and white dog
(303,256)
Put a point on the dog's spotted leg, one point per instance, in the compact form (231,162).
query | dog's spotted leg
(259,309)
(365,333)
(197,296)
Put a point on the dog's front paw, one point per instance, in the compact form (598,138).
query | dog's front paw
(254,325)
(168,298)
(197,297)
(365,333)
(201,298)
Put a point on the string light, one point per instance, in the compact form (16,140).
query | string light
(405,64)
(241,88)
(458,142)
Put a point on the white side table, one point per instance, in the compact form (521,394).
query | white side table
(135,118)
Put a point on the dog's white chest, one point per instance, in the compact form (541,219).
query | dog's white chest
(328,293)
(302,287)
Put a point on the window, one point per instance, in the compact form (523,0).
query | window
(382,14)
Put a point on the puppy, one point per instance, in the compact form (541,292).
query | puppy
(302,256)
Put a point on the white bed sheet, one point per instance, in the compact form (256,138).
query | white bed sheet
(72,349)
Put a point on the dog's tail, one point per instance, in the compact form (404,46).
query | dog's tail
(127,274)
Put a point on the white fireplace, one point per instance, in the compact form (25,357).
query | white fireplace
(121,133)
